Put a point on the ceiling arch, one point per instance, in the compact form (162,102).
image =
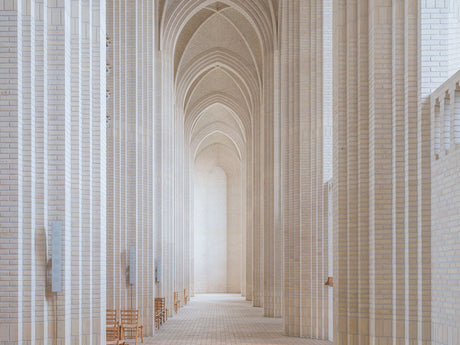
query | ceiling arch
(240,115)
(245,77)
(199,139)
(217,51)
(219,80)
(176,14)
(225,28)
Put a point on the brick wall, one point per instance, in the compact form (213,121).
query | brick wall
(304,195)
(445,254)
(445,174)
(130,165)
(10,227)
(327,89)
(440,42)
(454,36)
(48,127)
(381,232)
(440,56)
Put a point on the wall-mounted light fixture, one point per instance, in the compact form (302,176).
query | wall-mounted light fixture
(108,68)
(108,120)
(108,40)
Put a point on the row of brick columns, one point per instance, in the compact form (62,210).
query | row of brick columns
(381,159)
(52,139)
(137,193)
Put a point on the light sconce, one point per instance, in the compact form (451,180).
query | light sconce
(330,282)
(108,120)
(108,41)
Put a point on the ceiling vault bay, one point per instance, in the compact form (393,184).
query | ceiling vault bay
(218,70)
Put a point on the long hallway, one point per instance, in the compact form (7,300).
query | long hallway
(223,319)
(302,153)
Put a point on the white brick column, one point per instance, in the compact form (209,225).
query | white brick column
(46,119)
(382,270)
(130,158)
(304,217)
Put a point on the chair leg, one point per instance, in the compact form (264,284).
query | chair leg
(142,334)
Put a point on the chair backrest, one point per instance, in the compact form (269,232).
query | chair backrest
(129,317)
(111,333)
(111,317)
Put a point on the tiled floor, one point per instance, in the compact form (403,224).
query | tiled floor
(223,319)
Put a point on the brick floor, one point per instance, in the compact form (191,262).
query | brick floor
(223,319)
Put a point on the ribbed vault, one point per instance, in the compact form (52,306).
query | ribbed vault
(217,57)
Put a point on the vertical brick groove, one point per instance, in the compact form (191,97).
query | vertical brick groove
(130,169)
(42,131)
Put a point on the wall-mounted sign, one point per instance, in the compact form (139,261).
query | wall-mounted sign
(132,265)
(56,257)
(158,269)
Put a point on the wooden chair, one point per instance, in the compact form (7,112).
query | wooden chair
(157,317)
(157,314)
(176,301)
(165,310)
(111,317)
(112,335)
(130,323)
(161,313)
(185,297)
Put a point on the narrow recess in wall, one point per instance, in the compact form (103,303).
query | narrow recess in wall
(437,130)
(446,123)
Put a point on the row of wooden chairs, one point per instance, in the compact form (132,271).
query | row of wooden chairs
(161,313)
(116,331)
(177,301)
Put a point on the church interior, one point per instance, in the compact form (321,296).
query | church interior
(230,172)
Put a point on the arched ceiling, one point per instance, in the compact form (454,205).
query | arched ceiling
(218,51)
(218,31)
(221,156)
(217,113)
(217,138)
(219,81)
(240,115)
(218,124)
(179,18)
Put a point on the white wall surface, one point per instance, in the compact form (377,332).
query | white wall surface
(210,229)
(440,39)
(217,221)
